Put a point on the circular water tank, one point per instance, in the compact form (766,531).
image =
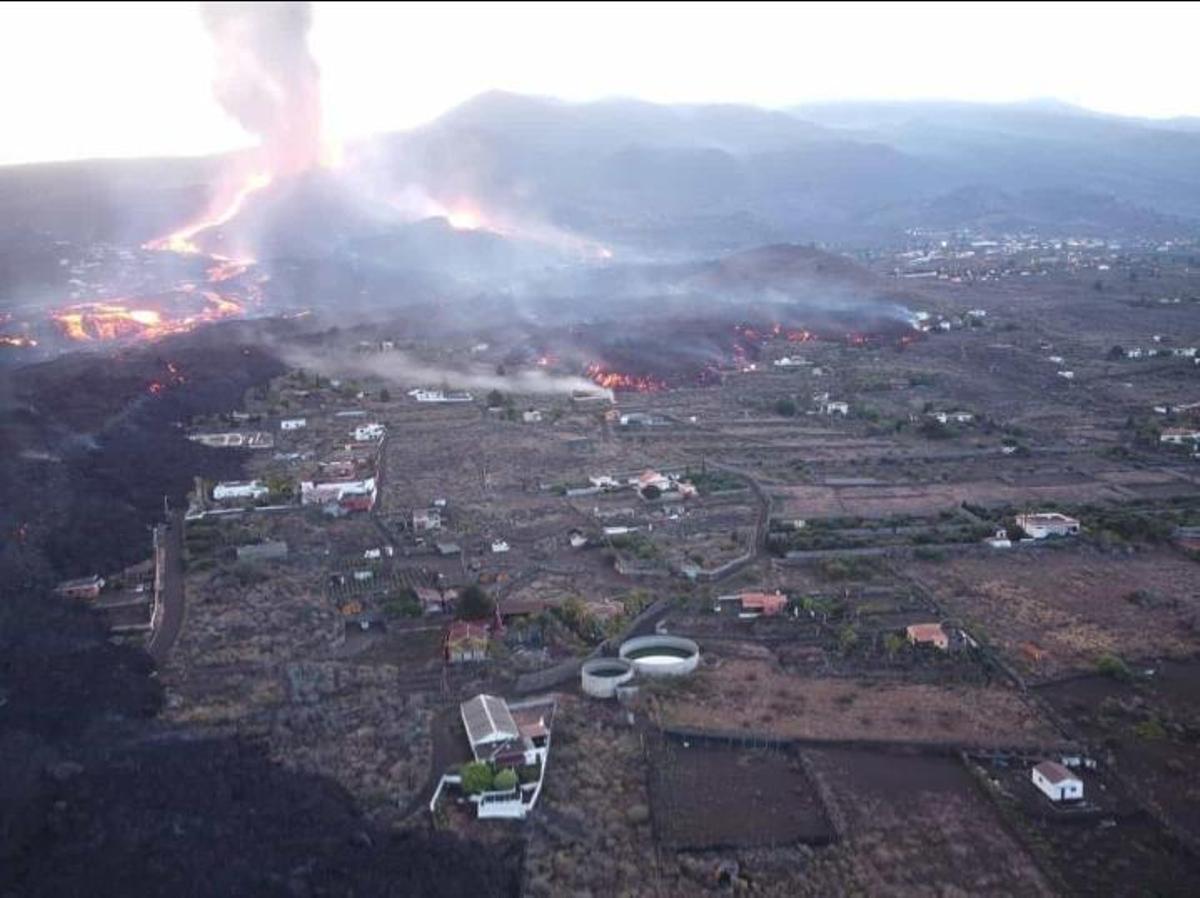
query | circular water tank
(602,676)
(661,656)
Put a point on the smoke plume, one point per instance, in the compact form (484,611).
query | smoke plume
(268,80)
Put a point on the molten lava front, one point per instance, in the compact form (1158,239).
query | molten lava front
(223,209)
(621,382)
(104,321)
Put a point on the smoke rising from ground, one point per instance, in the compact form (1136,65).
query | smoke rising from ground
(268,80)
(400,368)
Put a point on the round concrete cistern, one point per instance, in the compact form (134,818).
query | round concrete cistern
(661,656)
(600,677)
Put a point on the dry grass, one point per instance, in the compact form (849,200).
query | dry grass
(754,695)
(1073,605)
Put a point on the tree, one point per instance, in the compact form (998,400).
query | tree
(1117,352)
(495,399)
(1113,666)
(474,603)
(785,408)
(651,492)
(847,639)
(476,777)
(385,395)
(892,644)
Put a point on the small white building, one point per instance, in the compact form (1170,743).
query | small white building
(293,423)
(1178,436)
(835,408)
(426,519)
(369,433)
(1067,375)
(532,417)
(604,482)
(1000,540)
(240,489)
(1057,782)
(499,546)
(956,417)
(1044,524)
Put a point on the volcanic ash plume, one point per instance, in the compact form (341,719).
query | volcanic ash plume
(268,80)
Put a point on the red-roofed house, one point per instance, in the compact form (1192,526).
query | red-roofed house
(928,634)
(754,604)
(466,641)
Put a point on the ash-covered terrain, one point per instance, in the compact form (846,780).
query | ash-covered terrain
(314,466)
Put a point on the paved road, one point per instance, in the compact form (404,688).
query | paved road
(171,619)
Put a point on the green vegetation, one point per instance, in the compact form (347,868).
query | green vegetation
(505,780)
(638,545)
(934,429)
(476,777)
(1112,666)
(1150,729)
(892,644)
(708,482)
(474,603)
(786,408)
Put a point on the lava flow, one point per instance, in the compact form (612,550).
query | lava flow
(102,321)
(620,382)
(222,211)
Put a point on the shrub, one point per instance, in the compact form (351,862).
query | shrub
(476,777)
(1112,666)
(505,780)
(1151,730)
(786,408)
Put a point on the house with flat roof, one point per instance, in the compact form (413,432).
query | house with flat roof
(1044,524)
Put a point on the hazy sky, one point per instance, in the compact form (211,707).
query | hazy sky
(118,79)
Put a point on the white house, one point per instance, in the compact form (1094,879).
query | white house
(604,482)
(426,519)
(1057,782)
(1067,375)
(1044,524)
(293,423)
(369,433)
(532,417)
(313,493)
(440,396)
(1177,436)
(1000,540)
(835,408)
(789,362)
(240,489)
(499,546)
(956,417)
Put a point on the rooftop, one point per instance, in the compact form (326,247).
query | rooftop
(1054,772)
(488,719)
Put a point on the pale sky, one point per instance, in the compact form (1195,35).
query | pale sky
(133,79)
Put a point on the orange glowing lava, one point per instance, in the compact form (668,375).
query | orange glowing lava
(619,381)
(220,211)
(93,321)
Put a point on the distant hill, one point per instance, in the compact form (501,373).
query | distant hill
(679,181)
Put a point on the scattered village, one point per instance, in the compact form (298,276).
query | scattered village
(855,617)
